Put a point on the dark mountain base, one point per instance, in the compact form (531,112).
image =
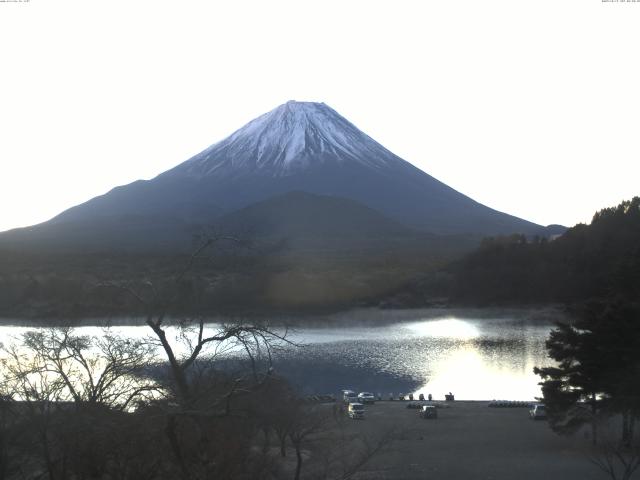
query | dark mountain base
(295,281)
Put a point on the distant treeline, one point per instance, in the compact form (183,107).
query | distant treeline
(40,286)
(589,261)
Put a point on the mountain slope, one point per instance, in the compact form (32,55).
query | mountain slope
(299,146)
(304,220)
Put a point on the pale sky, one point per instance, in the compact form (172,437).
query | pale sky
(531,107)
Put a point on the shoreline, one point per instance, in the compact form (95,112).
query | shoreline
(357,316)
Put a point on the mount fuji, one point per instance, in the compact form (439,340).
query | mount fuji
(297,147)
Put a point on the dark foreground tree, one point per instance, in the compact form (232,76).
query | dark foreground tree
(598,364)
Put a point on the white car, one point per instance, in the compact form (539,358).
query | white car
(366,397)
(349,396)
(537,412)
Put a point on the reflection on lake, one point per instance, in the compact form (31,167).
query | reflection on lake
(474,357)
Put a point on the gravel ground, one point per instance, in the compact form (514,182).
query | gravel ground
(469,440)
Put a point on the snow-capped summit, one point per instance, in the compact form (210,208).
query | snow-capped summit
(287,139)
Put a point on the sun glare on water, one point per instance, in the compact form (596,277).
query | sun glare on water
(449,327)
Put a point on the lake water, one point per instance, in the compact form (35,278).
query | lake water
(476,355)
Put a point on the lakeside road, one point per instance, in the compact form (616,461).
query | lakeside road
(469,440)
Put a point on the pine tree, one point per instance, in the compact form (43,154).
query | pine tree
(598,356)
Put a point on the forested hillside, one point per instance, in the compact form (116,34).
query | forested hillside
(601,259)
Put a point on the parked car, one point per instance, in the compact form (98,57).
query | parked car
(538,412)
(356,410)
(428,411)
(366,397)
(349,396)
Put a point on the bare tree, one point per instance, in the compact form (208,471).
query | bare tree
(618,459)
(325,446)
(342,453)
(304,423)
(256,339)
(24,376)
(105,370)
(9,436)
(199,394)
(66,386)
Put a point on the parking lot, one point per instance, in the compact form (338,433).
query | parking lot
(469,440)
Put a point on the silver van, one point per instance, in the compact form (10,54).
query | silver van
(356,410)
